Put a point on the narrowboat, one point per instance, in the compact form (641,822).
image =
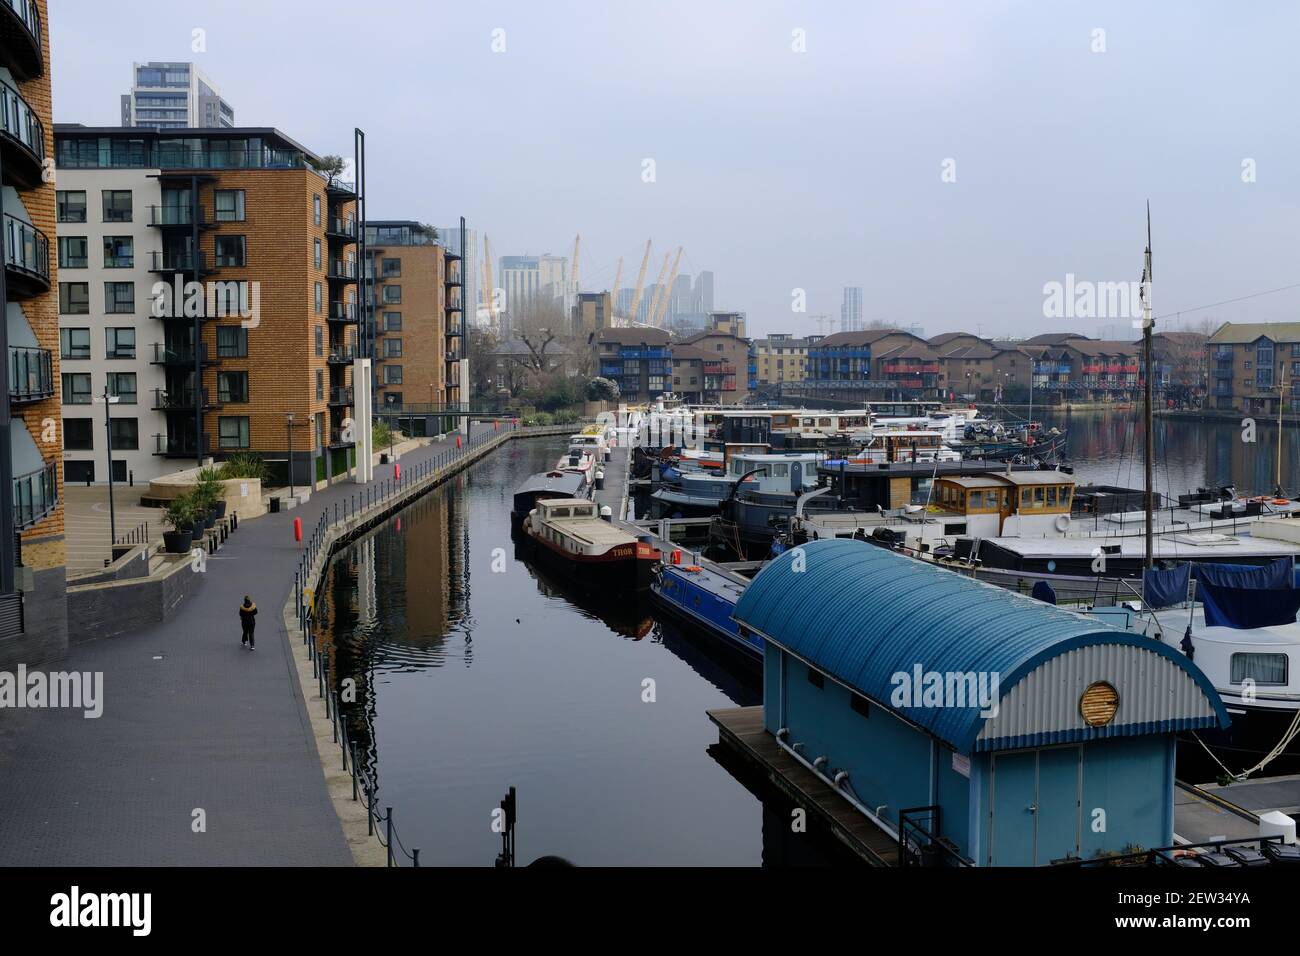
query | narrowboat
(570,535)
(544,484)
(703,596)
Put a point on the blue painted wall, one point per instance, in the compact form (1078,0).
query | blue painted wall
(1131,779)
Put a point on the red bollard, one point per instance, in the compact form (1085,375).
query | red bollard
(397,471)
(399,524)
(297,530)
(457,441)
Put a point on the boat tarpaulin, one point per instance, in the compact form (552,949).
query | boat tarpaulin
(1275,574)
(1166,587)
(1248,607)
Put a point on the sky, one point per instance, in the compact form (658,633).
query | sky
(950,158)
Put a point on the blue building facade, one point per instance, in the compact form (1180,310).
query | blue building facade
(1020,733)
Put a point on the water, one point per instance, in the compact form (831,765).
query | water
(471,680)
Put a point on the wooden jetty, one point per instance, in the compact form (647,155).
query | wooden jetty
(741,728)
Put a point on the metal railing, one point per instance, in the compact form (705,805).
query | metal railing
(342,226)
(176,216)
(342,311)
(27,12)
(26,247)
(19,121)
(31,373)
(36,494)
(340,395)
(178,261)
(342,269)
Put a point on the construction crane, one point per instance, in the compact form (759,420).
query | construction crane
(659,291)
(613,304)
(822,320)
(658,318)
(576,241)
(640,284)
(491,292)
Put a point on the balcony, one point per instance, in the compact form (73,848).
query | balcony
(181,356)
(340,395)
(22,137)
(1223,373)
(179,399)
(169,217)
(20,38)
(31,374)
(36,493)
(181,447)
(337,439)
(341,355)
(719,368)
(342,311)
(182,262)
(911,368)
(27,256)
(343,228)
(341,270)
(1221,355)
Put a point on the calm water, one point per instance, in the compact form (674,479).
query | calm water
(471,680)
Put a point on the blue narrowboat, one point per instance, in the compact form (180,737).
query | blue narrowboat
(704,596)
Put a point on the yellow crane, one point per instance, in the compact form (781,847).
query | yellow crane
(659,291)
(657,319)
(613,303)
(640,283)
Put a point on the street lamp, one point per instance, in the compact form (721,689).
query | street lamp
(109,401)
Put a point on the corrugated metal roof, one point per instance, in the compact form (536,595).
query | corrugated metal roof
(863,615)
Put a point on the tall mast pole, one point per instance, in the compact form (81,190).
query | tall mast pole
(1147,323)
(1281,397)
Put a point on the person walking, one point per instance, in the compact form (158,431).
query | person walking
(248,620)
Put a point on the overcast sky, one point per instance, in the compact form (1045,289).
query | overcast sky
(783,170)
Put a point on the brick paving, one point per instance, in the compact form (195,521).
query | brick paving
(190,721)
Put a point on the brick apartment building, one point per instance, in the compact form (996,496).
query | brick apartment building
(273,244)
(1252,366)
(725,365)
(782,357)
(33,608)
(639,360)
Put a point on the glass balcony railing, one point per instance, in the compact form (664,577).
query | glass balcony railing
(341,395)
(26,13)
(19,121)
(176,216)
(342,269)
(36,494)
(31,374)
(343,311)
(26,247)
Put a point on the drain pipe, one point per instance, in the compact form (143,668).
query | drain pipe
(836,782)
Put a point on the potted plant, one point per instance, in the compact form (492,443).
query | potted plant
(212,491)
(180,515)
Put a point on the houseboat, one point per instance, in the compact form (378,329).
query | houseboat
(703,596)
(545,484)
(702,492)
(580,459)
(570,535)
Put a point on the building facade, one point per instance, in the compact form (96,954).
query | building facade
(33,607)
(726,362)
(592,311)
(174,96)
(851,309)
(782,357)
(531,282)
(251,317)
(1252,366)
(639,360)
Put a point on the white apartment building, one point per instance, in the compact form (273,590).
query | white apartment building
(174,95)
(528,280)
(107,335)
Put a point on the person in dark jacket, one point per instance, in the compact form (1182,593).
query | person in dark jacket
(248,620)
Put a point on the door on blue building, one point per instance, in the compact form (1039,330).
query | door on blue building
(1034,806)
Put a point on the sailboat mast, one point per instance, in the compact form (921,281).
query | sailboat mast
(1148,451)
(1281,397)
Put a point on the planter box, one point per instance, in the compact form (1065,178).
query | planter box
(177,542)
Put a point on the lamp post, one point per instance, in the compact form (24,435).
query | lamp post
(288,427)
(109,401)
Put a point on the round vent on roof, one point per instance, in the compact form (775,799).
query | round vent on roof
(1098,704)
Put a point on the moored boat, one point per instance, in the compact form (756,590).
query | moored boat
(570,535)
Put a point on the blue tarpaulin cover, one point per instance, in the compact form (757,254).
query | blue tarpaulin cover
(1165,588)
(1275,574)
(1242,596)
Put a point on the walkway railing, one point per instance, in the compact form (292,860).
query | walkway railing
(368,500)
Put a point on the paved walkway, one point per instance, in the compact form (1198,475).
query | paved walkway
(87,525)
(191,721)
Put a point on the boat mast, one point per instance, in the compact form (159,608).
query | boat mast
(1147,323)
(1281,397)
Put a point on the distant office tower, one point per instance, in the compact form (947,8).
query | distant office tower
(174,96)
(851,309)
(449,236)
(703,293)
(529,281)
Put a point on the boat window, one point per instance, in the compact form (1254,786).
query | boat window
(1038,496)
(1261,668)
(823,422)
(562,512)
(1006,499)
(1025,497)
(1067,496)
(780,471)
(1051,496)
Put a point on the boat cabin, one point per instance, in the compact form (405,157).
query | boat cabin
(903,444)
(781,473)
(1026,503)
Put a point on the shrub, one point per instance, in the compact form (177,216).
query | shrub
(541,418)
(180,513)
(602,390)
(381,434)
(244,465)
(567,417)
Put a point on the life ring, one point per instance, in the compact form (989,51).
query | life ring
(1062,523)
(1281,501)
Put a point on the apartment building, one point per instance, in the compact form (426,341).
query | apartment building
(1254,365)
(688,374)
(407,278)
(174,96)
(782,357)
(33,607)
(881,363)
(592,311)
(639,360)
(219,282)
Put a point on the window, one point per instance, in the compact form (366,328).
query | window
(392,348)
(76,388)
(232,341)
(122,384)
(232,387)
(391,268)
(816,679)
(119,343)
(392,321)
(119,252)
(392,375)
(320,340)
(124,434)
(73,252)
(119,298)
(315,209)
(320,385)
(392,293)
(860,705)
(71,205)
(229,205)
(318,298)
(78,434)
(117,205)
(232,432)
(315,253)
(1261,668)
(74,298)
(230,298)
(230,250)
(74,343)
